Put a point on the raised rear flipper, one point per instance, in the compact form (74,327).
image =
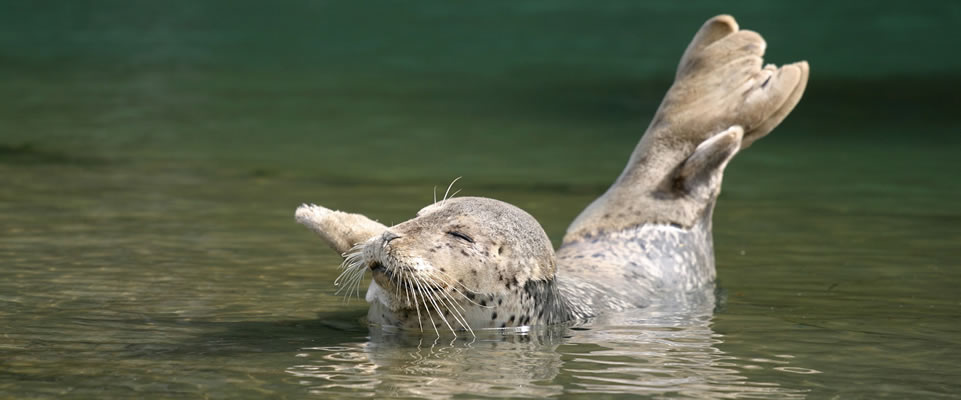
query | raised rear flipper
(673,176)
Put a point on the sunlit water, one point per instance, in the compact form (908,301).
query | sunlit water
(151,161)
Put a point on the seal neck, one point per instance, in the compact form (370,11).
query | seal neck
(552,306)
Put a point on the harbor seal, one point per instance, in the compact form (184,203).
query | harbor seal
(473,263)
(462,264)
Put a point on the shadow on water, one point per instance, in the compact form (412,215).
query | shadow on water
(30,154)
(235,338)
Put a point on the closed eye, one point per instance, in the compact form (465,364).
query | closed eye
(461,236)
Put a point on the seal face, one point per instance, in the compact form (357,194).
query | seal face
(460,264)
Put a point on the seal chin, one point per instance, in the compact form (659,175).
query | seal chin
(378,268)
(384,277)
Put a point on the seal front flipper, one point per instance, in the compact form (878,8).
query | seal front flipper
(340,230)
(700,174)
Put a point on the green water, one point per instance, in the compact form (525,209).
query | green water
(152,155)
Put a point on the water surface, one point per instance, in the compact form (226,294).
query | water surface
(151,159)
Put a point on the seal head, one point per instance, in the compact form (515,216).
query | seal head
(461,264)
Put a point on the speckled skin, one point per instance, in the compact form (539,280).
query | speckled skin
(475,263)
(489,257)
(637,267)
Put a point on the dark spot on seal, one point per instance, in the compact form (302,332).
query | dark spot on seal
(470,295)
(464,252)
(597,255)
(676,225)
(500,250)
(763,85)
(494,315)
(504,325)
(483,303)
(500,301)
(511,319)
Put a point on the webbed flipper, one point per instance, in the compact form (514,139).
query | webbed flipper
(720,84)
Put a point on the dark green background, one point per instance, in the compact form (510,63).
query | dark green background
(282,83)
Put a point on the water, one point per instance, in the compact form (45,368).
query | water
(151,158)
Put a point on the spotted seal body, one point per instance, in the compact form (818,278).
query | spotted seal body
(639,266)
(475,263)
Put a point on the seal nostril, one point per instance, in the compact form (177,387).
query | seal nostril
(376,266)
(766,81)
(388,236)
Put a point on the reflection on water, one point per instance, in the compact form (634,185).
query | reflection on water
(645,352)
(432,367)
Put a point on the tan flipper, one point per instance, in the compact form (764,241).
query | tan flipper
(340,230)
(720,85)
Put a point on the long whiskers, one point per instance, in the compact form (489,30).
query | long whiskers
(420,322)
(435,291)
(350,279)
(433,301)
(449,187)
(456,309)
(420,290)
(452,283)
